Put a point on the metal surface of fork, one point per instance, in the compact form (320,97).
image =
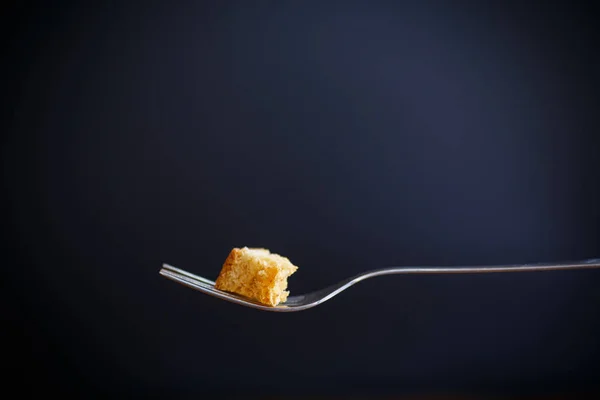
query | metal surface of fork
(309,300)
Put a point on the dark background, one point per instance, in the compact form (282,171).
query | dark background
(345,135)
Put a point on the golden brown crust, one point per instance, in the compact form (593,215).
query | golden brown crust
(230,261)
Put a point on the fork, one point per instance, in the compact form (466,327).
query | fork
(313,299)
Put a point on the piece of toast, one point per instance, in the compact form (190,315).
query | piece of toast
(257,274)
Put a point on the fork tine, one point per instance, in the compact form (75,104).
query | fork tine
(171,268)
(207,286)
(188,281)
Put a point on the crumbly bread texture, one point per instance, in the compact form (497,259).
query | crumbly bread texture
(257,274)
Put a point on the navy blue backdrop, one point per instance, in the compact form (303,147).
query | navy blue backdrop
(344,135)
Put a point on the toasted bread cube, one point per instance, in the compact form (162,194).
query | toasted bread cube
(257,274)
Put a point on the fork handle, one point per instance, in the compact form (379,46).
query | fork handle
(591,263)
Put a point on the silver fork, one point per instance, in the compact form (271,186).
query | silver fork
(313,299)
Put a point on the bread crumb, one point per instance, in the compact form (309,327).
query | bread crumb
(256,273)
